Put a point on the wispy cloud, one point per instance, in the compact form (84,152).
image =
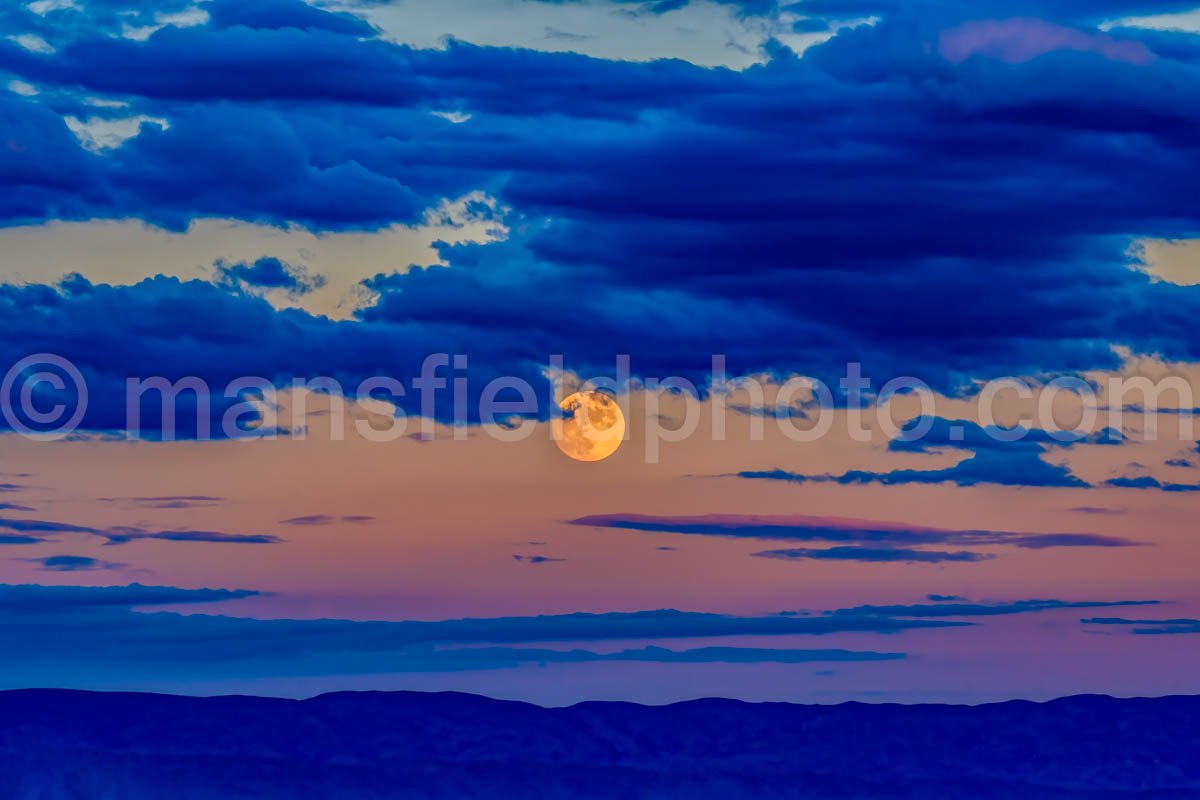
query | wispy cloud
(74,564)
(326,519)
(1148,482)
(42,526)
(997,456)
(16,538)
(88,634)
(92,634)
(961,608)
(123,534)
(1148,627)
(168,501)
(875,555)
(842,530)
(470,658)
(536,559)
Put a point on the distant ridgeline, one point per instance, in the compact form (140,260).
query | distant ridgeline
(65,744)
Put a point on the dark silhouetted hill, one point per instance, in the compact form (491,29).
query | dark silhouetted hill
(65,744)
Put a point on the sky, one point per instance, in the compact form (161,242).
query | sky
(896,298)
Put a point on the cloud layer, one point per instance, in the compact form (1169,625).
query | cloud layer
(795,215)
(75,635)
(857,539)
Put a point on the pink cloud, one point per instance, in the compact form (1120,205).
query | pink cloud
(1022,39)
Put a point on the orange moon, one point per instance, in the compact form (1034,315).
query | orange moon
(591,428)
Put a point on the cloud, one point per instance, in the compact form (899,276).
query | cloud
(875,555)
(608,173)
(95,635)
(74,564)
(14,507)
(268,275)
(1149,627)
(308,519)
(1147,482)
(498,657)
(42,526)
(126,533)
(960,608)
(27,598)
(169,501)
(326,519)
(536,559)
(9,538)
(1001,456)
(801,528)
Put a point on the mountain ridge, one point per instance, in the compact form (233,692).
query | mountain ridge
(58,743)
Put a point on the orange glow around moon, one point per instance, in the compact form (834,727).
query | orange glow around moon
(592,426)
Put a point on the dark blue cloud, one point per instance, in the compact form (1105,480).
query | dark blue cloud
(42,526)
(1002,456)
(902,555)
(1148,482)
(308,519)
(1148,627)
(30,598)
(195,328)
(1021,467)
(842,531)
(169,501)
(794,216)
(700,655)
(124,533)
(961,608)
(94,635)
(74,564)
(536,559)
(71,635)
(326,519)
(933,434)
(17,538)
(268,274)
(477,658)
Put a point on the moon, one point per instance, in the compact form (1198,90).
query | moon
(592,426)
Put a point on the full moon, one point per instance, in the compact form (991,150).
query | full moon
(592,426)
